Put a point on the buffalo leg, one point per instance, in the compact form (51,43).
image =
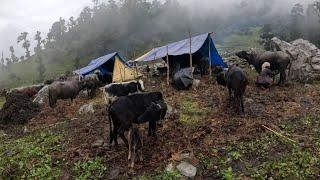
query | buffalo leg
(229,96)
(130,144)
(133,158)
(152,128)
(123,137)
(242,106)
(140,155)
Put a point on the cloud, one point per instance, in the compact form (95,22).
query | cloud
(32,15)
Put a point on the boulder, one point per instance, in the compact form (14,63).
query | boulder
(187,169)
(86,109)
(42,96)
(305,56)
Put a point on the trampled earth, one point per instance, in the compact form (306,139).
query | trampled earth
(278,136)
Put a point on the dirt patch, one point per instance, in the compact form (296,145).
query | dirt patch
(18,109)
(218,128)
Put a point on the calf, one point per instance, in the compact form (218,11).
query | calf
(236,81)
(126,110)
(91,83)
(112,91)
(155,112)
(135,140)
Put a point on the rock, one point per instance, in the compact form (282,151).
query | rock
(195,83)
(86,109)
(42,95)
(170,168)
(187,169)
(114,173)
(305,59)
(98,143)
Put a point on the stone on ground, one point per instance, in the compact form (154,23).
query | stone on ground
(187,169)
(86,109)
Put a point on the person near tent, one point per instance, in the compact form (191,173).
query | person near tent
(264,79)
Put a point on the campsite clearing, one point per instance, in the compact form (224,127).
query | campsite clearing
(223,143)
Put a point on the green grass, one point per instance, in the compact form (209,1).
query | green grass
(29,157)
(161,175)
(192,114)
(26,72)
(240,41)
(91,169)
(2,101)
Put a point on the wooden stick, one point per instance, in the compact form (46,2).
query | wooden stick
(278,134)
(210,70)
(190,51)
(168,67)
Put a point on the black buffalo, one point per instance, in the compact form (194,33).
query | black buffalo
(236,81)
(121,89)
(126,110)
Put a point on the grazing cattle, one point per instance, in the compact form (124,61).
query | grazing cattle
(236,81)
(64,90)
(135,140)
(125,111)
(155,112)
(112,91)
(29,91)
(279,61)
(91,83)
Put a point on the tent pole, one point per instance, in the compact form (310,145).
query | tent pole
(190,53)
(168,67)
(210,70)
(136,68)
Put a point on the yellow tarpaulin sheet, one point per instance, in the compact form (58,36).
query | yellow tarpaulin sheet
(122,73)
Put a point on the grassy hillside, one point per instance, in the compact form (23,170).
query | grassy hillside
(26,73)
(241,40)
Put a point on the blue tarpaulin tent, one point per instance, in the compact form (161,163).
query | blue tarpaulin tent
(100,64)
(111,66)
(199,44)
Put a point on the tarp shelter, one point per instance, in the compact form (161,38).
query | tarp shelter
(180,50)
(112,64)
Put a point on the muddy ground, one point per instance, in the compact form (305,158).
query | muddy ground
(210,129)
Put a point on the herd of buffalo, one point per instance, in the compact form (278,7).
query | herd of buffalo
(128,104)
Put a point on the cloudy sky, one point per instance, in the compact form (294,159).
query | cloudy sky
(17,16)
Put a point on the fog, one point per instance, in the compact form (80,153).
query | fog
(17,16)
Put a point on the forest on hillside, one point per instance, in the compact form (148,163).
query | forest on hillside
(132,27)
